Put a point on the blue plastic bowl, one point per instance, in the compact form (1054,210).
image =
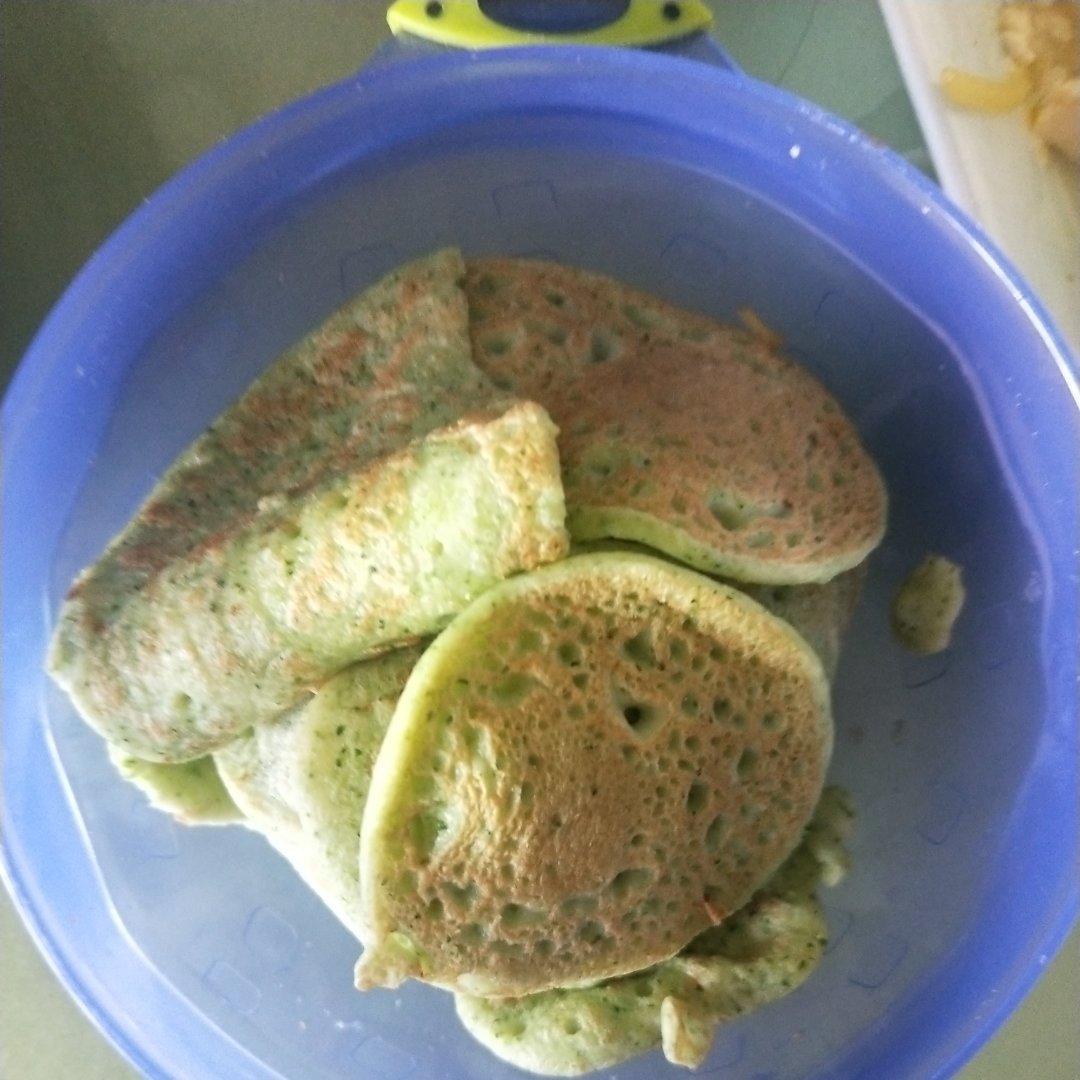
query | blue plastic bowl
(197,951)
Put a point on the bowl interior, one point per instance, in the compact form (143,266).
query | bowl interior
(936,751)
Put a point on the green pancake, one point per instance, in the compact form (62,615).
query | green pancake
(762,952)
(302,779)
(696,438)
(191,792)
(820,613)
(364,489)
(927,604)
(591,765)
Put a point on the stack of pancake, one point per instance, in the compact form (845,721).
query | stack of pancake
(505,605)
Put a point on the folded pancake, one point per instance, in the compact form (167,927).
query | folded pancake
(694,437)
(363,490)
(302,779)
(591,765)
(761,953)
(191,792)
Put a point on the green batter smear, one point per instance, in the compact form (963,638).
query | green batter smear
(927,605)
(192,792)
(761,953)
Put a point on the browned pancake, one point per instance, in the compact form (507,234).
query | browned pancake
(368,486)
(591,765)
(697,438)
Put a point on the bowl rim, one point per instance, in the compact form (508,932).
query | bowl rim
(581,71)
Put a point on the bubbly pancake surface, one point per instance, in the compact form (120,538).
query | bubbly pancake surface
(592,764)
(697,438)
(762,952)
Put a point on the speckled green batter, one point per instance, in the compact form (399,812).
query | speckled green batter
(927,605)
(191,792)
(764,951)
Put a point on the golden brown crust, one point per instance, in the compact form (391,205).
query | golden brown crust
(590,766)
(366,487)
(697,438)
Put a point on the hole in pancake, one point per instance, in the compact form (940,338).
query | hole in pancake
(696,797)
(625,881)
(472,933)
(735,513)
(530,641)
(571,1027)
(497,346)
(642,718)
(485,285)
(639,717)
(730,511)
(744,767)
(514,915)
(601,347)
(591,932)
(460,895)
(578,905)
(514,687)
(639,649)
(715,832)
(569,653)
